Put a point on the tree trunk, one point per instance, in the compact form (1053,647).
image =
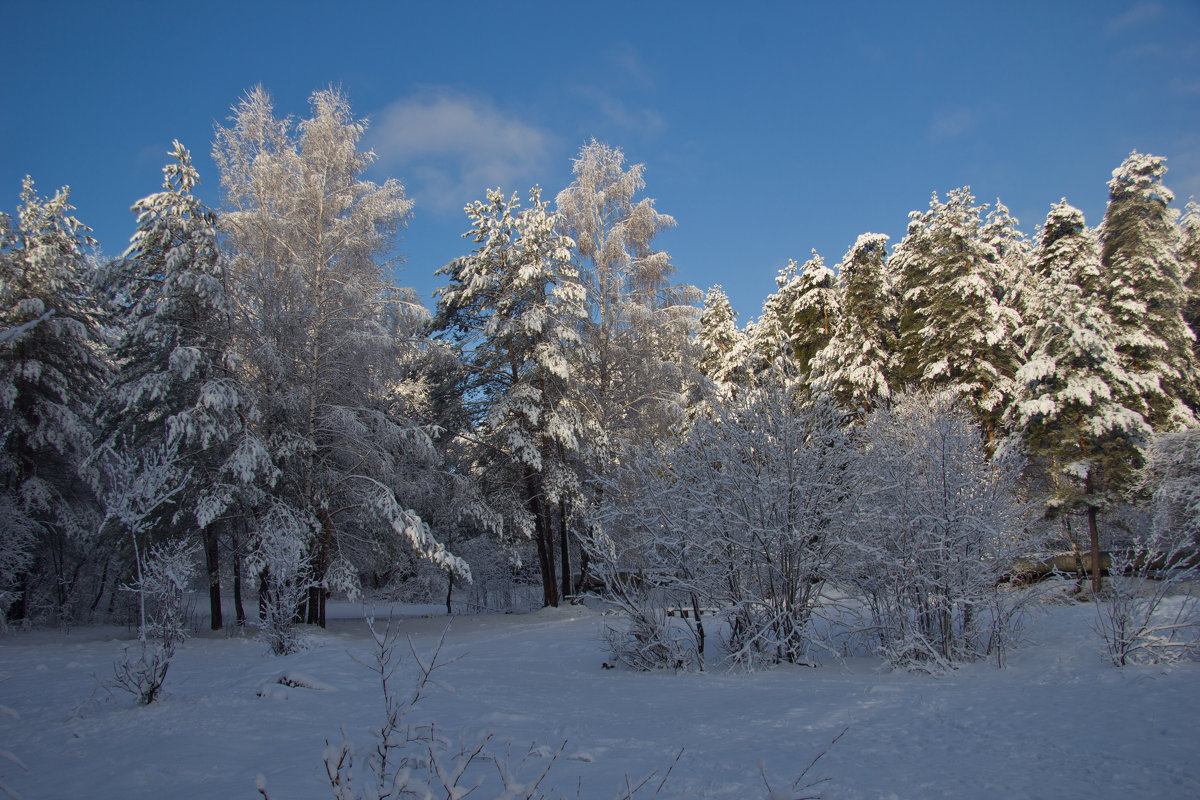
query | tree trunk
(239,610)
(564,546)
(449,591)
(545,538)
(212,559)
(1094,533)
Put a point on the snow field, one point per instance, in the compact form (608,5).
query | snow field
(1056,723)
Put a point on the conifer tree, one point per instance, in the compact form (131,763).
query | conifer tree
(719,339)
(1073,397)
(797,320)
(1189,261)
(957,322)
(176,380)
(513,309)
(856,364)
(1142,290)
(51,372)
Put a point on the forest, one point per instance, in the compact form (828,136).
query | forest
(244,402)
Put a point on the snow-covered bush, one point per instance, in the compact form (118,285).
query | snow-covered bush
(938,526)
(280,558)
(745,515)
(1172,475)
(1150,611)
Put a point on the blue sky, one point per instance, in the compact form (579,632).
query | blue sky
(767,129)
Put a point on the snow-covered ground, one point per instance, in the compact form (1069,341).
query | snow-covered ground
(1056,723)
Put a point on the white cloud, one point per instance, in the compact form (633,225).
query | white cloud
(952,123)
(1137,15)
(449,148)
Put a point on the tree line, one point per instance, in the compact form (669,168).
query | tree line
(321,431)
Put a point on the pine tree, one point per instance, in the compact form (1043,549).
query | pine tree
(797,320)
(856,363)
(513,308)
(51,371)
(1073,401)
(718,339)
(1142,291)
(957,322)
(1189,260)
(176,379)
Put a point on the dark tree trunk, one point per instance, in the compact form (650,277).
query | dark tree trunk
(545,538)
(564,547)
(212,559)
(239,610)
(449,591)
(264,594)
(1094,535)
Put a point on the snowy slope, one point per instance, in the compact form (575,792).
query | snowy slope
(1055,723)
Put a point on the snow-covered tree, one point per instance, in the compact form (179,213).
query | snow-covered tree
(1189,261)
(176,377)
(720,342)
(1142,290)
(856,363)
(1076,406)
(937,526)
(797,321)
(746,513)
(308,239)
(51,371)
(638,333)
(513,308)
(1172,476)
(957,319)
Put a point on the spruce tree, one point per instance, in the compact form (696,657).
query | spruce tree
(718,339)
(51,372)
(856,363)
(1073,396)
(957,321)
(176,379)
(1142,290)
(1189,262)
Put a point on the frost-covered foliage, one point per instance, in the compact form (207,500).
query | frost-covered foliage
(280,557)
(856,365)
(51,370)
(308,240)
(745,514)
(1172,476)
(957,315)
(1150,612)
(1142,290)
(937,527)
(513,308)
(637,362)
(134,485)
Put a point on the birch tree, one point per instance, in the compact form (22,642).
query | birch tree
(309,239)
